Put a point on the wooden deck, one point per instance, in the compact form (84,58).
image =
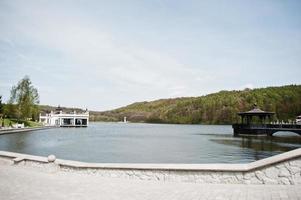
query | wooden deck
(264,129)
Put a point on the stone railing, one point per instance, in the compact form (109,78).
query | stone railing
(284,168)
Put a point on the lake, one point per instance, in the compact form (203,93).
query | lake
(149,143)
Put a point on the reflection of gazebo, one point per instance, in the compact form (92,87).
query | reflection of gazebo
(247,117)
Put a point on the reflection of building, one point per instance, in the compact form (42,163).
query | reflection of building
(63,119)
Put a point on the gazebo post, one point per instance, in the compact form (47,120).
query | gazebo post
(269,118)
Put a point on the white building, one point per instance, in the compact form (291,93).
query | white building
(62,119)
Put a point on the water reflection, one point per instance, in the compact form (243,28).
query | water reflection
(263,143)
(12,143)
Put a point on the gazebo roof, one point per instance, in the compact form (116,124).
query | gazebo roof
(256,112)
(59,108)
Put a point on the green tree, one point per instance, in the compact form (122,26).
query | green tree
(26,98)
(1,106)
(1,112)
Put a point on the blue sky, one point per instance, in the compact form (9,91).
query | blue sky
(106,54)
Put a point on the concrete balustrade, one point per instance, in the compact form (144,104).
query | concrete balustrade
(282,169)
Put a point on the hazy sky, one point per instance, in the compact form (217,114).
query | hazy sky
(106,54)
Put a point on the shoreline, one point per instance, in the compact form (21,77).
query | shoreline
(26,129)
(167,123)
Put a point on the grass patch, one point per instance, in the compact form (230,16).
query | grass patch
(10,122)
(7,122)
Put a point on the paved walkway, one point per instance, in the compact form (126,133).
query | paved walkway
(17,182)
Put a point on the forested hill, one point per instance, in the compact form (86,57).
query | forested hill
(217,108)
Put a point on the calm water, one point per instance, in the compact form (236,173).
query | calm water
(148,143)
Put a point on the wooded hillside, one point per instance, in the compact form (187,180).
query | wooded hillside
(216,108)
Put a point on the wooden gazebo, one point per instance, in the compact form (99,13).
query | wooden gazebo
(247,117)
(250,126)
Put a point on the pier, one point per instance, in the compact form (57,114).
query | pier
(258,122)
(264,129)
